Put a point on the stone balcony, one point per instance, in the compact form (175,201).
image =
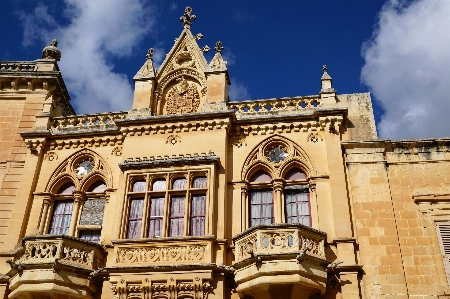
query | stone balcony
(51,266)
(280,261)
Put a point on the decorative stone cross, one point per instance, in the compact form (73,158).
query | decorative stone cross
(324,68)
(150,54)
(218,48)
(187,18)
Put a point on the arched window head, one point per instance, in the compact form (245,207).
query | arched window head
(67,188)
(260,176)
(295,174)
(98,186)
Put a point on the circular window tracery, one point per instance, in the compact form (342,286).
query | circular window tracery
(85,167)
(277,153)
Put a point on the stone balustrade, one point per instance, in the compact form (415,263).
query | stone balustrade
(274,106)
(60,249)
(278,239)
(86,122)
(17,66)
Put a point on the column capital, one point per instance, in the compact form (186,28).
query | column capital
(78,196)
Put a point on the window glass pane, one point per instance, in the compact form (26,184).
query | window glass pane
(261,207)
(199,182)
(295,174)
(92,213)
(176,225)
(260,176)
(98,186)
(67,188)
(91,235)
(135,218)
(198,212)
(139,186)
(179,183)
(159,184)
(156,217)
(62,212)
(297,207)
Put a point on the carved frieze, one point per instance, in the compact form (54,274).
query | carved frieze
(162,254)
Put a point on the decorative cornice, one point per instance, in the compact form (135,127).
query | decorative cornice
(187,159)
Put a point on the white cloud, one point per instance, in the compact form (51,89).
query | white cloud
(97,31)
(407,68)
(237,91)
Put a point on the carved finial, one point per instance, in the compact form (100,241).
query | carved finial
(187,18)
(206,48)
(150,54)
(324,68)
(218,48)
(52,52)
(198,36)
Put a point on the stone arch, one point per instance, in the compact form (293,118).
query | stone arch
(296,155)
(94,177)
(66,171)
(260,165)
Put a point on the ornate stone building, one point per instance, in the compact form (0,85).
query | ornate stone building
(188,195)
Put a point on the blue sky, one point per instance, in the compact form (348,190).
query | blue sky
(397,49)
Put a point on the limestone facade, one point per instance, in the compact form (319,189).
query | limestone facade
(189,195)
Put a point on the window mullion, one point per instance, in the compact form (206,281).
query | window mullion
(166,215)
(187,213)
(145,215)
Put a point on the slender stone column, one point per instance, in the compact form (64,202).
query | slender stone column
(244,207)
(278,201)
(47,201)
(78,199)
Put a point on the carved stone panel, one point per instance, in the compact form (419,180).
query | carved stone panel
(183,97)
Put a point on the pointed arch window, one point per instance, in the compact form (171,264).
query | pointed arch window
(285,200)
(62,211)
(91,219)
(261,200)
(297,206)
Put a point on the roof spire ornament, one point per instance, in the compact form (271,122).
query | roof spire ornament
(52,52)
(326,81)
(150,54)
(147,71)
(187,18)
(218,48)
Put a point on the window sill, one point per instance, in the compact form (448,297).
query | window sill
(163,239)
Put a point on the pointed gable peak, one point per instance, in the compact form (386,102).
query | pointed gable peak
(185,52)
(147,71)
(217,64)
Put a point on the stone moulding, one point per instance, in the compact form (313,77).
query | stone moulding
(215,124)
(187,159)
(15,71)
(397,151)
